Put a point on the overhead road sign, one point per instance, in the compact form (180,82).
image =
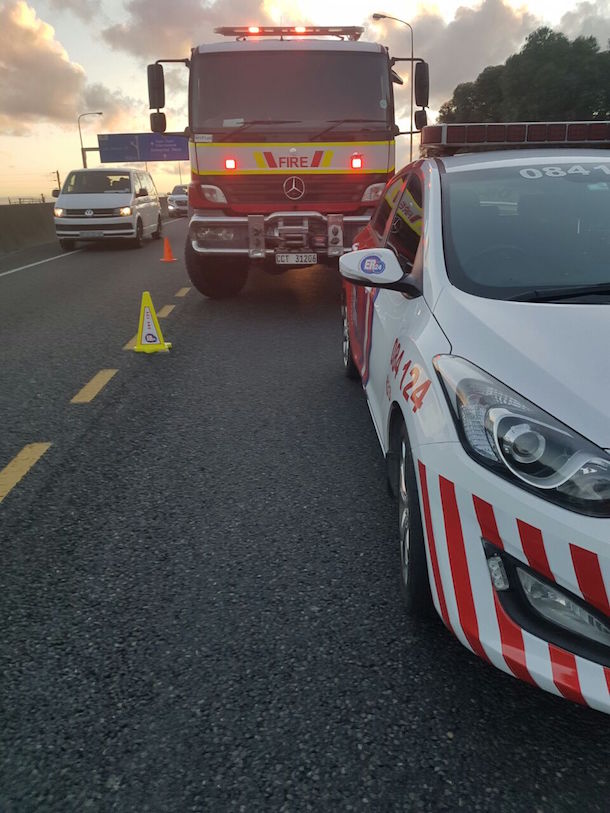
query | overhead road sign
(118,148)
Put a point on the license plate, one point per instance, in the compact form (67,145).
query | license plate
(296,259)
(87,235)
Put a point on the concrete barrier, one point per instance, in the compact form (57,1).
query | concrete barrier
(24,225)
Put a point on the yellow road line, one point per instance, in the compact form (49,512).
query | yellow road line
(131,343)
(20,465)
(182,292)
(165,311)
(90,390)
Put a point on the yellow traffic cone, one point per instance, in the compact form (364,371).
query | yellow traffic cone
(168,256)
(149,338)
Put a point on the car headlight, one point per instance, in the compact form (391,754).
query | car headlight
(59,212)
(125,211)
(506,433)
(373,192)
(213,193)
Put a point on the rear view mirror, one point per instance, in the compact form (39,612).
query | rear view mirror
(156,87)
(158,122)
(55,193)
(421,119)
(422,84)
(376,268)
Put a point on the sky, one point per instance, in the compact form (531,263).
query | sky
(61,58)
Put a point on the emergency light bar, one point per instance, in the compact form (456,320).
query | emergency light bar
(451,137)
(350,32)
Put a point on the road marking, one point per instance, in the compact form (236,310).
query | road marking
(20,465)
(165,311)
(90,390)
(182,292)
(131,343)
(40,262)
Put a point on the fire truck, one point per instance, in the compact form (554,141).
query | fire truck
(291,141)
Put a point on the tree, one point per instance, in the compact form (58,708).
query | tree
(550,79)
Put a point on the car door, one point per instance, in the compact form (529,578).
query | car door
(359,299)
(395,315)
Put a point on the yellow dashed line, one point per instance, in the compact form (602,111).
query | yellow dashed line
(165,311)
(90,390)
(20,465)
(182,292)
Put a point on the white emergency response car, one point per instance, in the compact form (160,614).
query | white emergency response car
(477,313)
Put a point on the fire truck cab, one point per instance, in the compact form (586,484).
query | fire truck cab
(291,140)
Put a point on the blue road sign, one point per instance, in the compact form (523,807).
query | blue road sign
(119,148)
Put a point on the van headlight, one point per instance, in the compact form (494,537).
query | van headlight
(514,438)
(125,211)
(59,212)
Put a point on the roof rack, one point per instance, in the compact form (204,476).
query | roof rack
(445,139)
(350,32)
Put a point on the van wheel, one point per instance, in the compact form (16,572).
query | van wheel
(215,277)
(156,235)
(67,245)
(137,240)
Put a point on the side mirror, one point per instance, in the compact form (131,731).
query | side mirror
(55,193)
(142,193)
(376,268)
(421,119)
(158,123)
(422,84)
(156,87)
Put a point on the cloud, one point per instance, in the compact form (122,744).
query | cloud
(457,51)
(37,80)
(152,32)
(85,9)
(121,113)
(588,20)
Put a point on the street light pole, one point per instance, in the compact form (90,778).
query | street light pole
(80,135)
(409,26)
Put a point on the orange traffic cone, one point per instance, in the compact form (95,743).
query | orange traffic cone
(168,257)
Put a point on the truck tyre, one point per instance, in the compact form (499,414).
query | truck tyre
(215,277)
(67,245)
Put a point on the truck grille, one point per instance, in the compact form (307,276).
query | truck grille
(270,189)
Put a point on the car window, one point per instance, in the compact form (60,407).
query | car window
(386,204)
(405,231)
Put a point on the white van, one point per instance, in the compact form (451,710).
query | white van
(107,203)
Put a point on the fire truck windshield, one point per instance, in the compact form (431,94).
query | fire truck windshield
(287,89)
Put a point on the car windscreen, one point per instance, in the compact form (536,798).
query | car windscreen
(527,226)
(230,89)
(179,190)
(83,183)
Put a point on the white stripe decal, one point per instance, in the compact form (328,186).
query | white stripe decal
(538,662)
(444,567)
(593,684)
(480,581)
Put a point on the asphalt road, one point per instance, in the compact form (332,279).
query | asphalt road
(199,578)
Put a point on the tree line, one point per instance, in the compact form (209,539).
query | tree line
(550,79)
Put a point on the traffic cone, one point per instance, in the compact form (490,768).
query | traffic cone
(168,257)
(149,338)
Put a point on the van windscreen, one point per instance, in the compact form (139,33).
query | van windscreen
(83,183)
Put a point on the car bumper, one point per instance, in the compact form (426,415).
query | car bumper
(467,510)
(94,229)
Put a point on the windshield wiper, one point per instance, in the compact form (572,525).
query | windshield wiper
(555,294)
(336,122)
(252,122)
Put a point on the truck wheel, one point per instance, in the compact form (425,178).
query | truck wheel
(215,277)
(67,245)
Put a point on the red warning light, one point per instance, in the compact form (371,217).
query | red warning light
(230,163)
(254,29)
(300,29)
(356,162)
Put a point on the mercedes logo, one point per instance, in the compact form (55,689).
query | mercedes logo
(89,212)
(294,188)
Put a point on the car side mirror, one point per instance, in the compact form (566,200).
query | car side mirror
(142,193)
(376,268)
(55,193)
(422,84)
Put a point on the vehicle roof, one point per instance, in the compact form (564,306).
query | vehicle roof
(493,159)
(302,44)
(108,169)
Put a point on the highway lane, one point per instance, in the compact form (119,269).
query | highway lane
(199,578)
